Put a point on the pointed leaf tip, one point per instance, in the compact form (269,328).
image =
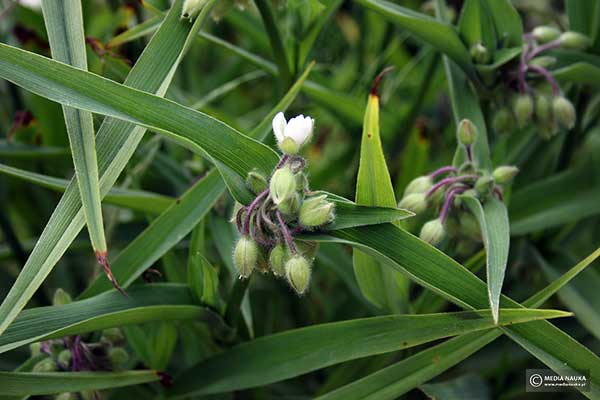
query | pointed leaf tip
(377,80)
(102,258)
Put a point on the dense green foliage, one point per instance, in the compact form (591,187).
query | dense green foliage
(168,230)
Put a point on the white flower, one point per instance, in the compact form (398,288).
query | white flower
(292,134)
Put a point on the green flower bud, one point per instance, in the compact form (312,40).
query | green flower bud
(290,204)
(415,202)
(574,40)
(282,185)
(545,34)
(543,61)
(46,365)
(316,211)
(118,356)
(256,182)
(277,260)
(245,256)
(113,335)
(543,108)
(433,232)
(64,357)
(66,396)
(505,174)
(61,298)
(564,112)
(301,182)
(35,348)
(523,109)
(503,121)
(297,272)
(191,8)
(484,185)
(89,395)
(467,132)
(419,185)
(480,54)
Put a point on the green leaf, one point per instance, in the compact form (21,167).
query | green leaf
(580,73)
(284,355)
(315,29)
(115,143)
(385,288)
(476,27)
(508,24)
(584,17)
(276,40)
(440,35)
(399,378)
(202,277)
(470,386)
(493,221)
(137,200)
(149,302)
(348,215)
(29,384)
(162,234)
(64,25)
(140,30)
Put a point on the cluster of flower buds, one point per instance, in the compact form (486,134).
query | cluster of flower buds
(441,189)
(74,353)
(549,110)
(283,207)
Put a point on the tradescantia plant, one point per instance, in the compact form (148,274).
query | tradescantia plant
(441,164)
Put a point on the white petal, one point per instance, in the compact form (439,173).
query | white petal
(301,129)
(279,125)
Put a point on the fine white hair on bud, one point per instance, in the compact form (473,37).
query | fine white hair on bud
(293,134)
(191,8)
(433,232)
(420,184)
(297,272)
(282,185)
(245,256)
(415,202)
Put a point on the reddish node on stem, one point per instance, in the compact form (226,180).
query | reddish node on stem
(377,81)
(165,379)
(150,275)
(102,259)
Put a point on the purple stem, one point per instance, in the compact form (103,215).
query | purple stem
(469,152)
(442,171)
(523,87)
(545,47)
(447,181)
(283,160)
(498,192)
(251,208)
(286,234)
(448,202)
(548,76)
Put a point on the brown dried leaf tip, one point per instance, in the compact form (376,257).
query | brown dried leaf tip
(102,259)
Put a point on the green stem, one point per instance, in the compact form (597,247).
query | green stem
(279,53)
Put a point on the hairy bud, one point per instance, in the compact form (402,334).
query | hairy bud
(420,184)
(46,365)
(564,112)
(191,8)
(545,34)
(66,396)
(523,109)
(64,358)
(61,298)
(245,256)
(484,185)
(297,272)
(543,61)
(118,356)
(415,202)
(505,174)
(290,204)
(316,211)
(480,54)
(543,108)
(113,335)
(277,260)
(282,185)
(502,121)
(574,40)
(467,132)
(433,232)
(256,182)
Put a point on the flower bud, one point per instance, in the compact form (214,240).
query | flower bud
(113,335)
(64,358)
(505,174)
(523,109)
(277,260)
(467,132)
(433,232)
(46,365)
(574,40)
(245,256)
(290,204)
(66,396)
(282,185)
(415,202)
(256,182)
(503,121)
(564,112)
(118,356)
(301,182)
(480,54)
(35,348)
(543,108)
(316,211)
(419,185)
(191,8)
(545,34)
(297,272)
(484,185)
(543,61)
(61,298)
